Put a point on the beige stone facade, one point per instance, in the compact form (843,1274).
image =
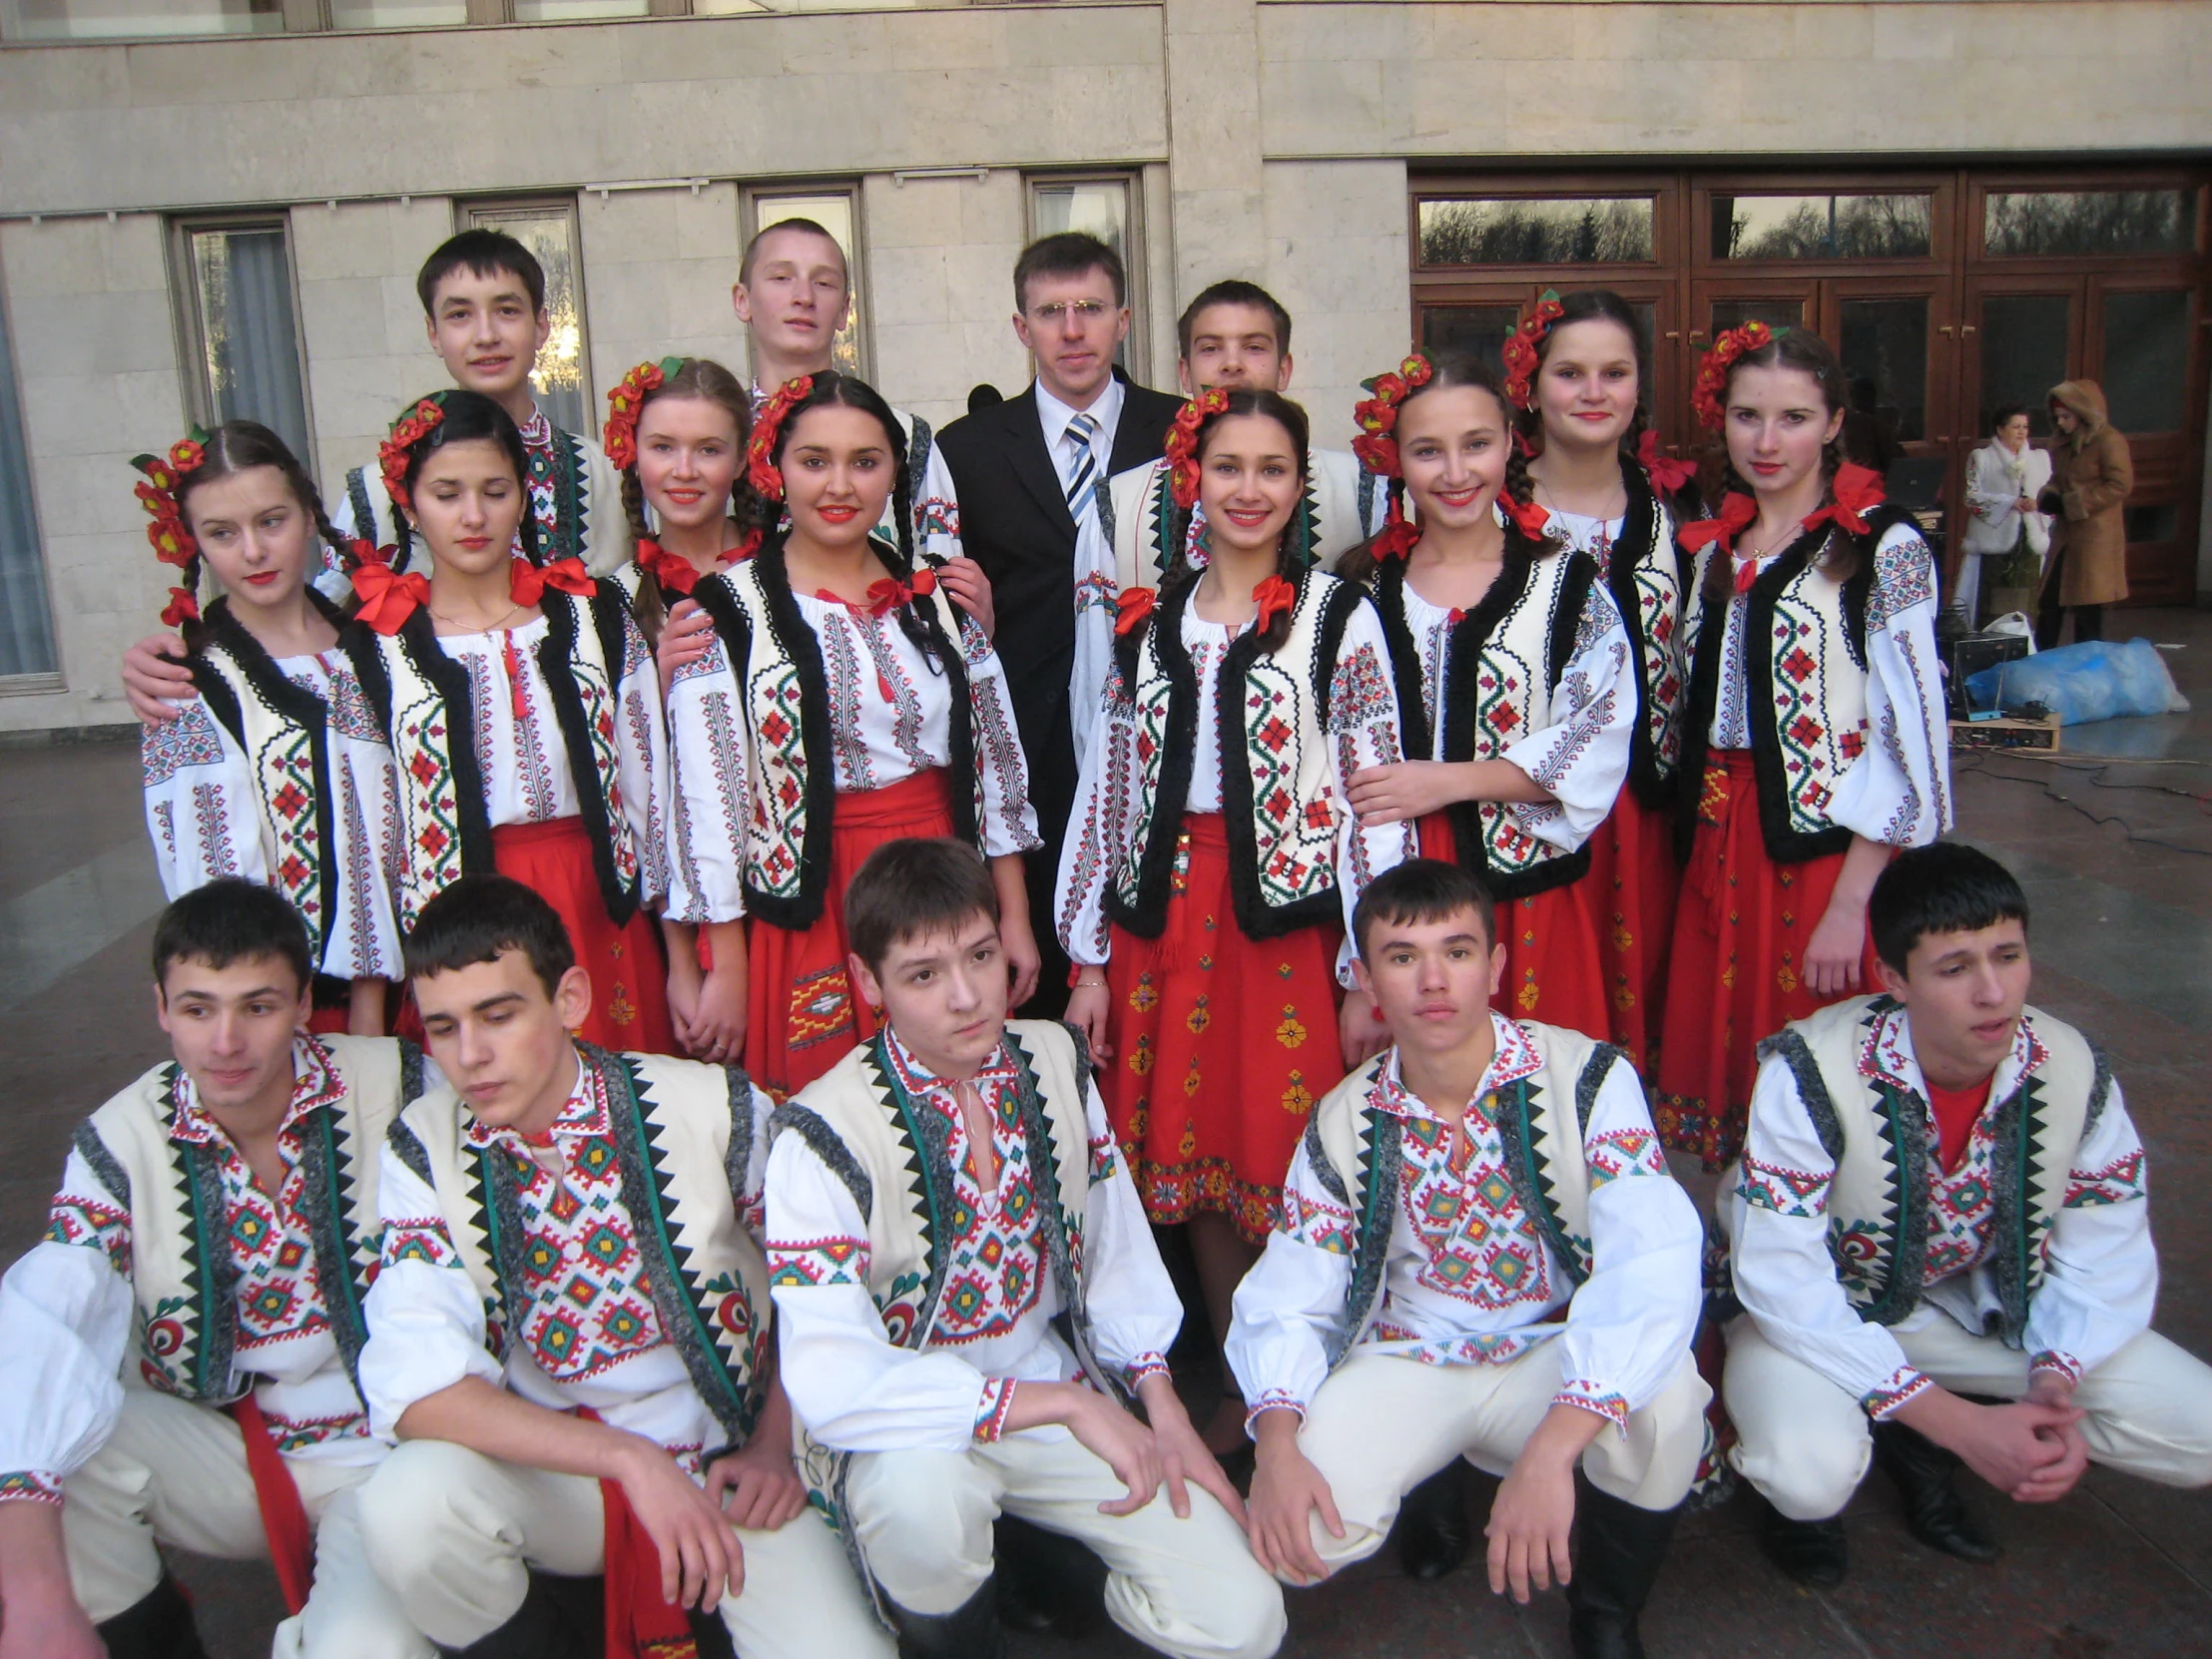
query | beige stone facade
(1269,139)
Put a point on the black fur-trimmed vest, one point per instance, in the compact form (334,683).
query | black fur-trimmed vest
(422,699)
(1805,657)
(1502,666)
(1645,577)
(775,658)
(1279,802)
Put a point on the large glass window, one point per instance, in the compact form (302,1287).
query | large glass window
(398,14)
(1819,226)
(570,11)
(137,19)
(2023,355)
(237,276)
(2018,224)
(561,378)
(1103,207)
(1562,231)
(836,208)
(26,628)
(2146,360)
(1884,356)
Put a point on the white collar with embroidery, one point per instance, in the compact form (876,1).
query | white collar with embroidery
(918,1080)
(314,1084)
(583,1115)
(1515,1058)
(1887,1055)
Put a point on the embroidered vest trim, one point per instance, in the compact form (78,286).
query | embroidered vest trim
(1876,1131)
(1644,576)
(571,502)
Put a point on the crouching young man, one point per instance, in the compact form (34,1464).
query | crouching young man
(1942,1197)
(968,1295)
(1480,1255)
(569,1332)
(177,1356)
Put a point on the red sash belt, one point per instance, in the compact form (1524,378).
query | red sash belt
(640,1625)
(284,1517)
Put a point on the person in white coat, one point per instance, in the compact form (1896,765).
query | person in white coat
(2004,477)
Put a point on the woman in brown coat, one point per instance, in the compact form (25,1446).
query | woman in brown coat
(2091,476)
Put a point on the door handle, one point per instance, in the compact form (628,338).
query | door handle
(1674,333)
(1943,329)
(1965,329)
(1697,333)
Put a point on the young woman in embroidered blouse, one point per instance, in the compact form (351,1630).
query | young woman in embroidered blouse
(1516,676)
(841,702)
(277,772)
(523,711)
(1210,864)
(1815,727)
(1577,373)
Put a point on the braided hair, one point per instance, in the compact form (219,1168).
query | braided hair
(1584,306)
(1292,555)
(703,380)
(1450,368)
(1847,552)
(238,446)
(469,416)
(831,389)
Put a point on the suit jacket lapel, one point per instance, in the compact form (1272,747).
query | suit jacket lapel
(1033,463)
(1136,442)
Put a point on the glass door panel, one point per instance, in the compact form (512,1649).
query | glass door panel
(2025,344)
(1884,346)
(2146,360)
(1479,331)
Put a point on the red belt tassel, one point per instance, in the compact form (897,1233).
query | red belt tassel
(284,1517)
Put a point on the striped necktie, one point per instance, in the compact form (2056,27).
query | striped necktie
(1083,465)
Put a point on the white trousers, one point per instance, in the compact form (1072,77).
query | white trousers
(456,1533)
(175,1474)
(1382,1424)
(1806,1444)
(1188,1587)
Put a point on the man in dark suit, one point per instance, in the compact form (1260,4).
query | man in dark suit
(1031,476)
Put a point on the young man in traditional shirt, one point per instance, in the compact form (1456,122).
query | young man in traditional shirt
(569,1331)
(483,306)
(1480,1255)
(154,1393)
(1941,1201)
(936,1204)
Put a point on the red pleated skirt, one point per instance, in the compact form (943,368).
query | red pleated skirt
(1220,1046)
(1736,963)
(802,1016)
(1554,970)
(1634,879)
(629,973)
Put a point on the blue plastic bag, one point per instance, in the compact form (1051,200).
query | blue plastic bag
(2083,684)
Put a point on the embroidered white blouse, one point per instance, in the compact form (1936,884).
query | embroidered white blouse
(1468,1279)
(2099,1290)
(1582,755)
(855,1390)
(590,1335)
(204,812)
(1898,790)
(890,716)
(1362,732)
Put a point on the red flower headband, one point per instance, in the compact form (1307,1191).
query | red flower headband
(1181,444)
(1377,415)
(620,436)
(1521,351)
(409,430)
(1710,395)
(172,544)
(768,426)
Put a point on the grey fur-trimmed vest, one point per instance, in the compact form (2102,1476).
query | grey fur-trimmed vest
(1877,1128)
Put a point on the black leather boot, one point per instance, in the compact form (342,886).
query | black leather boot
(1618,1553)
(1047,1581)
(1935,1514)
(1808,1552)
(970,1631)
(159,1625)
(1433,1533)
(560,1619)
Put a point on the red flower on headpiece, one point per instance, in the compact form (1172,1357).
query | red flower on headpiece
(526,582)
(1667,476)
(1710,395)
(172,542)
(387,597)
(1274,594)
(620,435)
(1377,414)
(1182,444)
(1131,608)
(186,455)
(759,449)
(181,608)
(1856,492)
(1521,350)
(394,454)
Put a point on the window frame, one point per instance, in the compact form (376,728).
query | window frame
(191,325)
(469,213)
(859,286)
(39,681)
(1135,257)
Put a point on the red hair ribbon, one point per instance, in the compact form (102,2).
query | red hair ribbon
(526,583)
(1274,594)
(389,598)
(1737,512)
(886,593)
(670,571)
(1856,492)
(1132,606)
(1527,517)
(1666,475)
(181,608)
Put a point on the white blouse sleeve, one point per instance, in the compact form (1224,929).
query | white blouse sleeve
(1898,790)
(66,1318)
(937,510)
(1363,730)
(426,1324)
(1134,1311)
(2101,1280)
(711,788)
(848,1384)
(1777,1219)
(1010,822)
(202,808)
(1289,1309)
(1098,829)
(1631,1322)
(642,756)
(1581,759)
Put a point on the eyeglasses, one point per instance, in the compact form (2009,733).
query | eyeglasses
(1055,311)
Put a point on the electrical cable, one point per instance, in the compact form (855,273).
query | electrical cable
(2095,773)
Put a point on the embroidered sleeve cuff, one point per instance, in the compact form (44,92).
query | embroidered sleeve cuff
(30,1486)
(1590,1397)
(1785,1191)
(991,1410)
(1902,1384)
(1274,1399)
(1147,1364)
(2066,1364)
